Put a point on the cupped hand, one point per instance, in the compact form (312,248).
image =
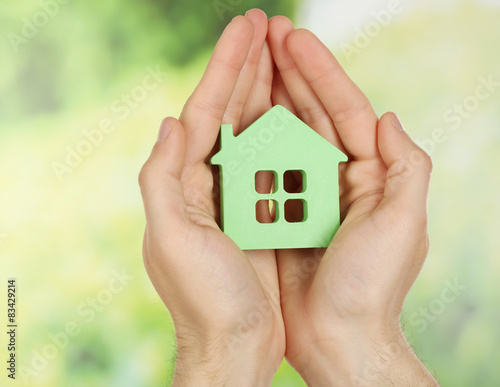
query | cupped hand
(224,301)
(341,306)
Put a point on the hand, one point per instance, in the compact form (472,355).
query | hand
(341,307)
(224,302)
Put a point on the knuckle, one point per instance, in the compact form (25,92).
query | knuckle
(312,113)
(419,158)
(349,113)
(145,175)
(426,160)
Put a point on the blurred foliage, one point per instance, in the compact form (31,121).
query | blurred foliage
(101,42)
(192,27)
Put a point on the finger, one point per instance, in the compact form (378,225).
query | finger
(279,93)
(159,179)
(247,75)
(309,107)
(350,110)
(203,112)
(280,96)
(409,167)
(259,100)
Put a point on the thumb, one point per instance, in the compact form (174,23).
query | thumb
(159,179)
(408,167)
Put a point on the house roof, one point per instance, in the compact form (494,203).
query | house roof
(278,132)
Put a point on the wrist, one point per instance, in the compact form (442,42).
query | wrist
(222,361)
(356,356)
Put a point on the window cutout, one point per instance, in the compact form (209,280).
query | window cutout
(265,182)
(295,210)
(294,181)
(265,211)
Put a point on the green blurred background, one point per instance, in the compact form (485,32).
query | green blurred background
(70,234)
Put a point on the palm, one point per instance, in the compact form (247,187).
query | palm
(341,278)
(240,281)
(311,276)
(235,89)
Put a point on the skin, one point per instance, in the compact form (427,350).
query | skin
(333,313)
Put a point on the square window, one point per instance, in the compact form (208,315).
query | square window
(294,181)
(295,210)
(266,211)
(265,182)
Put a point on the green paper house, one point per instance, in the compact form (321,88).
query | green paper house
(278,147)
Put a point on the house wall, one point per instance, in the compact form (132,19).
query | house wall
(321,195)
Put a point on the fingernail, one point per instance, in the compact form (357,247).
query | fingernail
(397,123)
(165,129)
